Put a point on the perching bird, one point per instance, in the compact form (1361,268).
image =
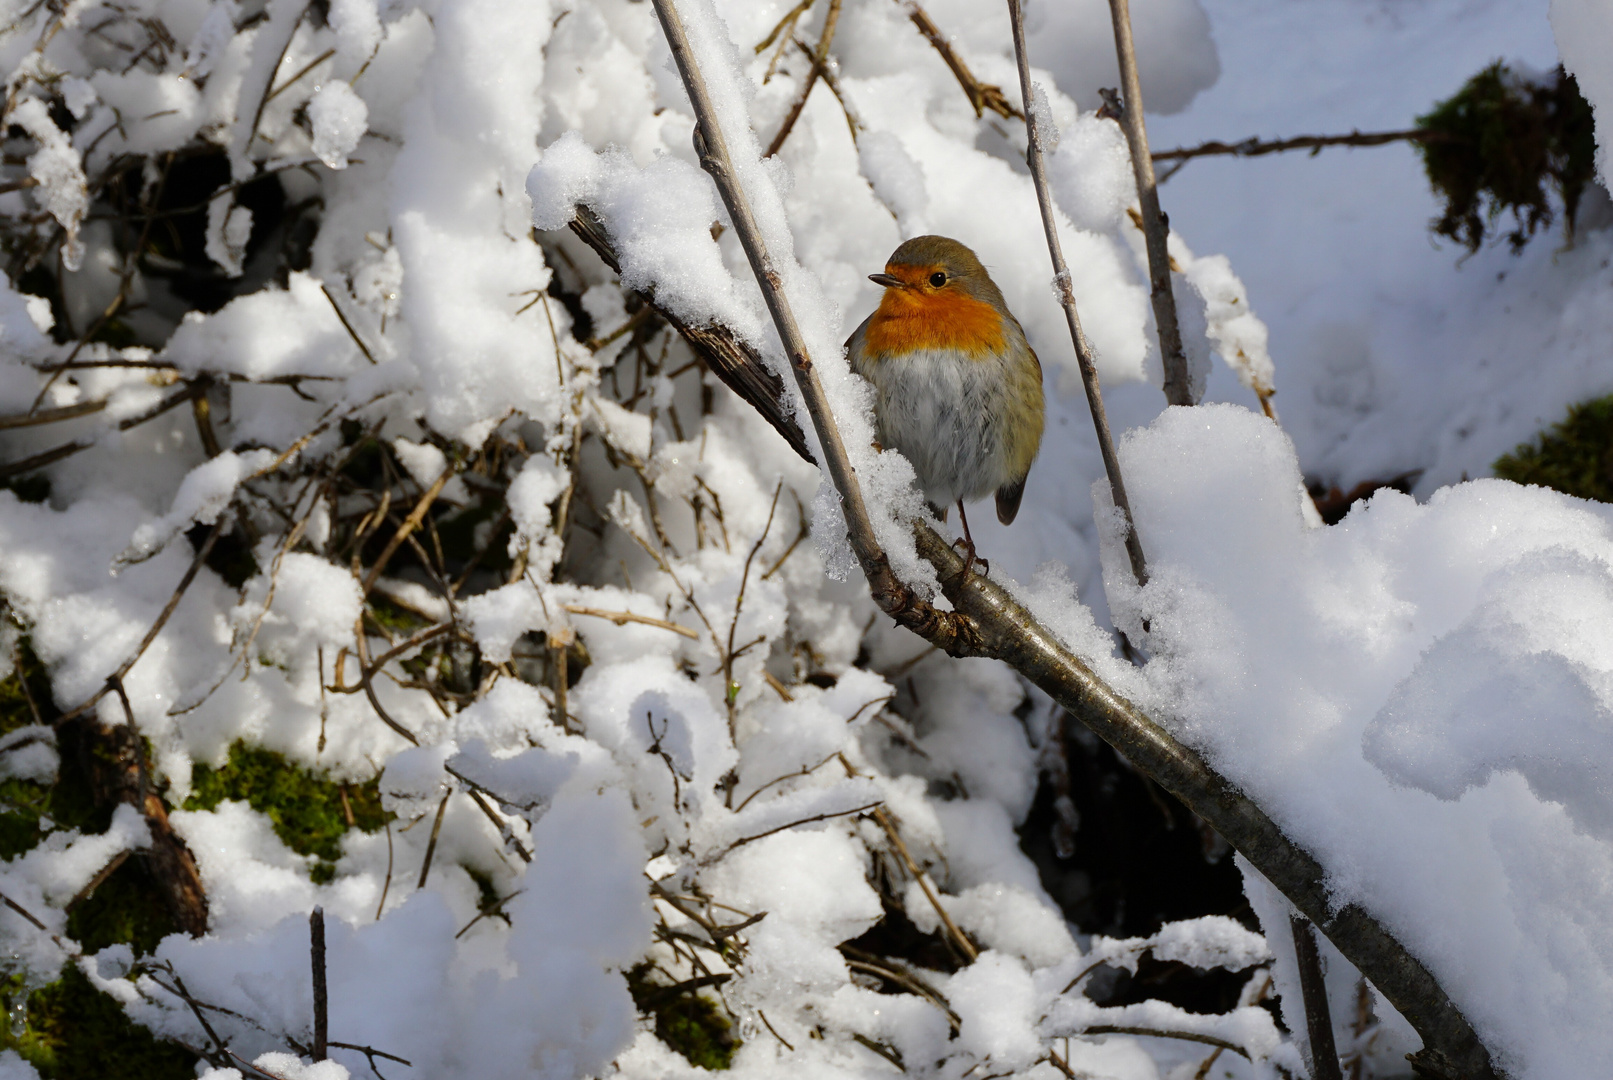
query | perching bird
(958,389)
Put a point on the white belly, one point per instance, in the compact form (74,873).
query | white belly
(946,416)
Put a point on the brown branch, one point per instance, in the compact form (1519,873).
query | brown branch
(956,935)
(621,618)
(1260,148)
(819,60)
(316,950)
(981,95)
(987,621)
(1324,1056)
(1159,1033)
(1156,227)
(51,416)
(55,454)
(116,678)
(736,364)
(1061,279)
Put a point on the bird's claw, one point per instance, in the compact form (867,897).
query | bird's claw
(971,559)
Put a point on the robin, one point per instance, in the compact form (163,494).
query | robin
(958,388)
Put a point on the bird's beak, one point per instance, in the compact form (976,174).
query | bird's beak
(888,281)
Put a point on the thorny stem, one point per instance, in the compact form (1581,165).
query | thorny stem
(1061,276)
(1156,227)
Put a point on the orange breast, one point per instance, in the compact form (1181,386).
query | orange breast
(908,320)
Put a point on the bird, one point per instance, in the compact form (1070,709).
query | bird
(957,387)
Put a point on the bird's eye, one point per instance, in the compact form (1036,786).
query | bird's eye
(938,279)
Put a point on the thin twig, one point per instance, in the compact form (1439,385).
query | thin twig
(818,60)
(957,936)
(981,95)
(1156,228)
(622,618)
(1061,279)
(730,688)
(1160,1033)
(156,628)
(431,845)
(1254,147)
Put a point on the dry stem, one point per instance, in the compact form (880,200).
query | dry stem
(1156,227)
(1061,277)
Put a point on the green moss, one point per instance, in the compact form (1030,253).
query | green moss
(75,1032)
(688,1022)
(1498,144)
(306,809)
(1574,456)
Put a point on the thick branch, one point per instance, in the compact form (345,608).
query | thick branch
(1156,227)
(1061,278)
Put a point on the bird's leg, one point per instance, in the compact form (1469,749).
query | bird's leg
(968,542)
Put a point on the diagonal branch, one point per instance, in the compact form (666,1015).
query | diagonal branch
(987,621)
(981,95)
(1061,279)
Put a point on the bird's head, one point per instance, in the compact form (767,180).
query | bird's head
(934,268)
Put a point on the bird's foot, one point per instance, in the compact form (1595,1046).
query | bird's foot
(971,558)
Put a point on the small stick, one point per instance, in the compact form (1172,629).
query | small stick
(819,59)
(1156,227)
(431,845)
(621,618)
(1061,275)
(1318,1019)
(1259,148)
(316,940)
(958,937)
(981,95)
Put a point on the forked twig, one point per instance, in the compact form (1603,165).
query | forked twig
(819,60)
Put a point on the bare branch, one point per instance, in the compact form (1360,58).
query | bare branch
(1259,148)
(981,95)
(819,57)
(621,618)
(1156,228)
(1061,279)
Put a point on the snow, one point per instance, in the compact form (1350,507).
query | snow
(1420,695)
